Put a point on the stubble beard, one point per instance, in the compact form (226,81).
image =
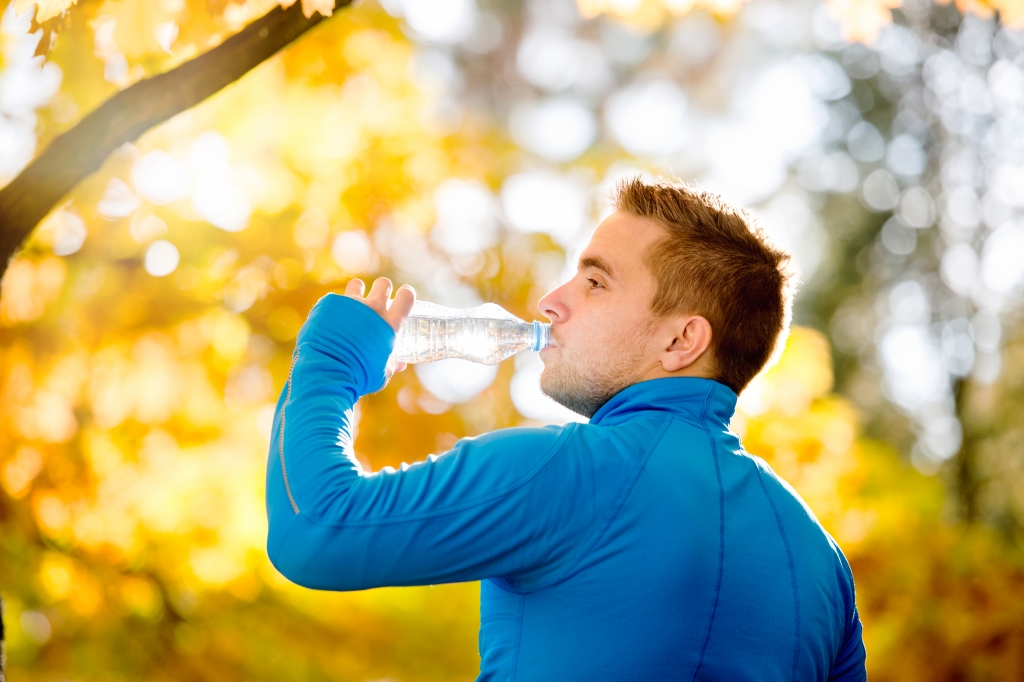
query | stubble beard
(585,386)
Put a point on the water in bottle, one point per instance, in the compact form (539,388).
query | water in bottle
(486,334)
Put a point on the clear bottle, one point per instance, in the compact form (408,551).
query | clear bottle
(486,334)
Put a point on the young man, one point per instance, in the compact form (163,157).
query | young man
(645,545)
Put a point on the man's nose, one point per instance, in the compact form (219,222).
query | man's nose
(551,306)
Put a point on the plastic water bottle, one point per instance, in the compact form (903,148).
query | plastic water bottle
(486,334)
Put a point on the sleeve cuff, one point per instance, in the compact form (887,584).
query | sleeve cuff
(344,328)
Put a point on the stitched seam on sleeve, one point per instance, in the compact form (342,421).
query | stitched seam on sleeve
(280,440)
(519,636)
(721,531)
(387,520)
(792,568)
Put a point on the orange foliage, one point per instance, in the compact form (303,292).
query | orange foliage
(135,408)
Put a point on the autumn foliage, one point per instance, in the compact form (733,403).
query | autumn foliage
(135,404)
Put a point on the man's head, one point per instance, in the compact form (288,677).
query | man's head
(674,283)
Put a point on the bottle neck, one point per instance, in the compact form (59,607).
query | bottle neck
(541,334)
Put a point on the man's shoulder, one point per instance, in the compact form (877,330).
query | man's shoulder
(518,437)
(781,487)
(628,435)
(572,452)
(798,518)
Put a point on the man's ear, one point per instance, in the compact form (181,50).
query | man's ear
(689,346)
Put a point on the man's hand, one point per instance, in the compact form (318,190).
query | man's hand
(394,311)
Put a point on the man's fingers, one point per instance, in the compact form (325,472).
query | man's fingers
(380,292)
(404,299)
(379,299)
(355,288)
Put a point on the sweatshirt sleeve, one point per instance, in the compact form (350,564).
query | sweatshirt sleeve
(849,665)
(509,504)
(850,662)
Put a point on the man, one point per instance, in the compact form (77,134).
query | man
(645,545)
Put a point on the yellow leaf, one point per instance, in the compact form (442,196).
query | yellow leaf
(47,8)
(325,7)
(862,20)
(136,27)
(1011,12)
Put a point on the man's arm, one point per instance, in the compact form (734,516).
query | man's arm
(849,665)
(512,503)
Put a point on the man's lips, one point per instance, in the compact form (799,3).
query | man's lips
(552,343)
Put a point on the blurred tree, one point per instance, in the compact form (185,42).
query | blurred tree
(145,327)
(82,150)
(922,305)
(145,455)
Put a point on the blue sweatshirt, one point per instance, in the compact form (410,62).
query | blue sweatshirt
(645,545)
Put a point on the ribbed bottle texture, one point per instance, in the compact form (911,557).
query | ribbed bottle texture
(486,334)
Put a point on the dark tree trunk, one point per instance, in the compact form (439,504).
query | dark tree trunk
(964,474)
(81,151)
(3,640)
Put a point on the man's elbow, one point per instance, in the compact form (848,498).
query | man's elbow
(298,558)
(285,548)
(281,555)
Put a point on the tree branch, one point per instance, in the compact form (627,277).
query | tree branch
(81,150)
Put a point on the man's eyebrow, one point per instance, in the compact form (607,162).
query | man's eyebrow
(597,262)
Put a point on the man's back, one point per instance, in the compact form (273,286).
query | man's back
(707,566)
(642,546)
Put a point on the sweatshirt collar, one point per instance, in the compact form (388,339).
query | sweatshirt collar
(694,398)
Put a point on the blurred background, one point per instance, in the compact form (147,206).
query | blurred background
(468,147)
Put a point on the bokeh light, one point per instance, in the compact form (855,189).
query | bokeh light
(545,201)
(454,380)
(162,258)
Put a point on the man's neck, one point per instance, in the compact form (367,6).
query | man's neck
(702,368)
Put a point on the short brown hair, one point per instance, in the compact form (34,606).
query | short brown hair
(717,262)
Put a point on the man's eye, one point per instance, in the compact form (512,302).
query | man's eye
(594,281)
